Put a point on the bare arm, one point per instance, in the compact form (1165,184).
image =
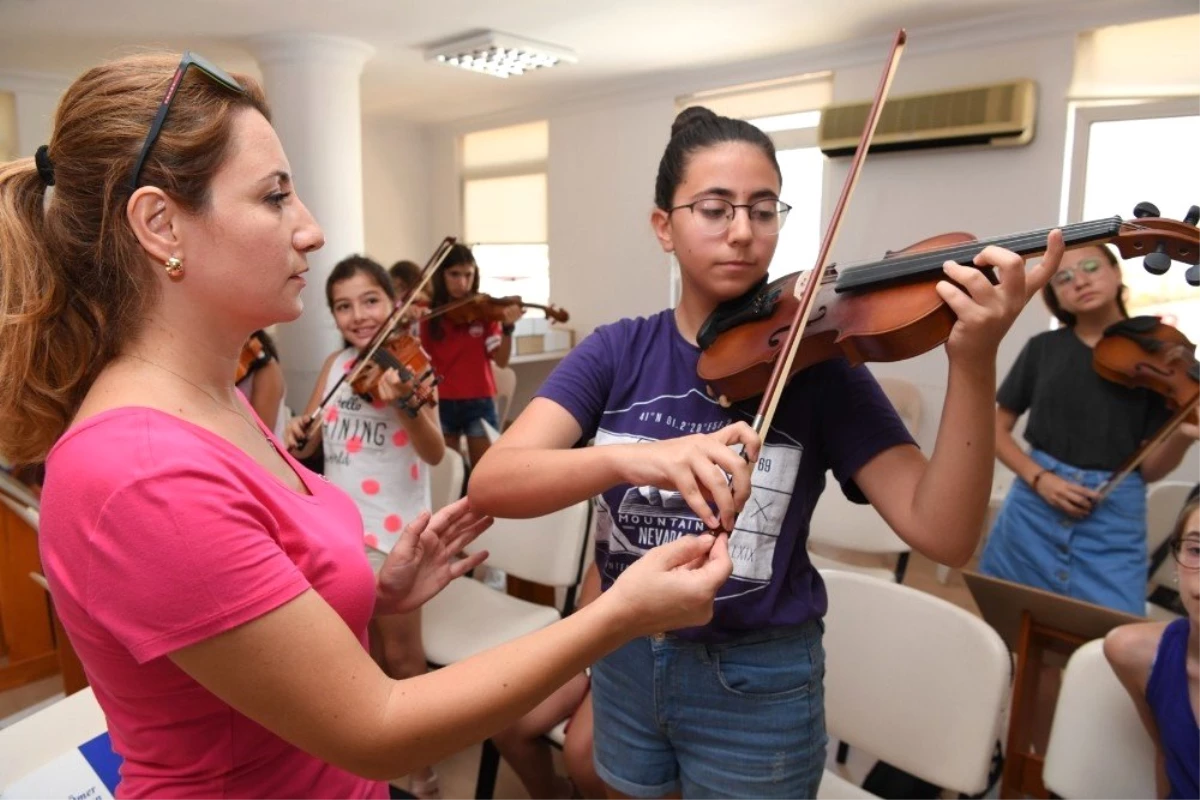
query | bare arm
(302,427)
(938,505)
(1169,454)
(301,673)
(267,393)
(425,433)
(1130,650)
(1011,454)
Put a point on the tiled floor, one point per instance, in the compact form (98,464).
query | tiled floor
(458,773)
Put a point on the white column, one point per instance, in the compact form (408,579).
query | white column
(312,86)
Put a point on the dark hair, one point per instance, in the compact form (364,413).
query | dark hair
(352,265)
(696,128)
(75,282)
(268,344)
(406,271)
(1066,317)
(459,254)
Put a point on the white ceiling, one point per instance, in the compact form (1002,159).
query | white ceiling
(617,41)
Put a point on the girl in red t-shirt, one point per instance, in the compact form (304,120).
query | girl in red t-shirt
(462,355)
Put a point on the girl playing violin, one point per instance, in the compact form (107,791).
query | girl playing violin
(405,276)
(214,589)
(263,383)
(734,708)
(375,452)
(463,355)
(1159,665)
(1049,532)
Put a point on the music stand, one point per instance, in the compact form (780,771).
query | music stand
(1035,624)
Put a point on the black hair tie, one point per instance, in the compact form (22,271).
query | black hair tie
(45,166)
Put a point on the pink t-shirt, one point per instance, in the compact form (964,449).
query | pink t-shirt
(156,534)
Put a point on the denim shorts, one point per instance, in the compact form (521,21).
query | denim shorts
(741,719)
(461,417)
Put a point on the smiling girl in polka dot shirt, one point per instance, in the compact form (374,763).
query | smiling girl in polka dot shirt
(376,453)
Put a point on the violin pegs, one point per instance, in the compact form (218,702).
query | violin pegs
(1158,262)
(1193,216)
(1193,274)
(1145,209)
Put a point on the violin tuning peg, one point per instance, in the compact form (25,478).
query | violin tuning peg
(1193,216)
(1145,209)
(1158,262)
(1193,274)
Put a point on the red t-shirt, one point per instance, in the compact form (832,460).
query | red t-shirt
(157,534)
(462,358)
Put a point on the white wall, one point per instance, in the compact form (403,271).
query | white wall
(396,180)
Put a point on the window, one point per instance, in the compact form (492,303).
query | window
(787,110)
(504,209)
(1137,153)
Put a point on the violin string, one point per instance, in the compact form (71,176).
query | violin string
(902,266)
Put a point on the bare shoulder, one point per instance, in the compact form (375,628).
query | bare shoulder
(1131,649)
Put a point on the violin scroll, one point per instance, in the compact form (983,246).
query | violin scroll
(1161,241)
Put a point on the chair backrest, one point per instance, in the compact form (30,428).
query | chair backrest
(506,387)
(913,680)
(1098,745)
(906,397)
(838,522)
(446,480)
(1164,500)
(547,550)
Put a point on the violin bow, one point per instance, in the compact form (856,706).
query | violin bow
(783,364)
(1135,460)
(435,261)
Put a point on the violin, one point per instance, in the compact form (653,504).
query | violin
(889,310)
(485,308)
(1144,352)
(403,353)
(253,356)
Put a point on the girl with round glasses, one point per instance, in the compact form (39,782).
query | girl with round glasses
(1050,533)
(1159,665)
(215,590)
(734,708)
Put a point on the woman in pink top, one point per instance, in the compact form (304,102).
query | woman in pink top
(215,590)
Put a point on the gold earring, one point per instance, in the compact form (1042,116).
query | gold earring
(174,267)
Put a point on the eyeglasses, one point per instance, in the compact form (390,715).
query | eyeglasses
(713,215)
(1187,552)
(189,59)
(1064,276)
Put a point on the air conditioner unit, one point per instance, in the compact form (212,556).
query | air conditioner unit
(1000,115)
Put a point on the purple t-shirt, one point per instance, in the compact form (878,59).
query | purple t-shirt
(635,381)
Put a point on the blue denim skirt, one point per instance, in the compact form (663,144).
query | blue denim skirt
(1099,559)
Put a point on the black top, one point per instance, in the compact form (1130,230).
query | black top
(1075,415)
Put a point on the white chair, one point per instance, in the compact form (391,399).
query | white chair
(1164,500)
(506,387)
(446,480)
(1098,746)
(468,617)
(840,525)
(913,680)
(41,737)
(906,398)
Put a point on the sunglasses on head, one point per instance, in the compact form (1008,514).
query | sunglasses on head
(190,59)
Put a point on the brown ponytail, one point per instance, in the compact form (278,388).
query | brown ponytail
(75,284)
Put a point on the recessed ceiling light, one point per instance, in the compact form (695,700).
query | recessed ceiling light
(498,54)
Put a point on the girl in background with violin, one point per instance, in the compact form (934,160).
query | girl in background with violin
(377,453)
(405,275)
(260,378)
(743,694)
(462,342)
(1050,532)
